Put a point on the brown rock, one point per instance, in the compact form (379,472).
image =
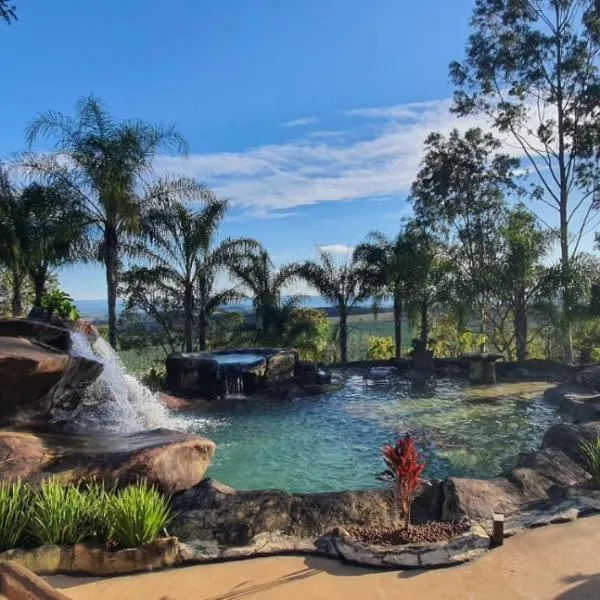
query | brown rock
(171,461)
(477,499)
(38,331)
(37,382)
(568,437)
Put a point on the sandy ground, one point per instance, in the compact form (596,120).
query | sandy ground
(560,562)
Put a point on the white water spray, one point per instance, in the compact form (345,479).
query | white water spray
(117,401)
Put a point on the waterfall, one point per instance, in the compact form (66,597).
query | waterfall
(234,386)
(116,401)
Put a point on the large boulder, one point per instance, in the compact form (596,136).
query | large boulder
(218,374)
(171,461)
(590,377)
(569,437)
(213,511)
(39,384)
(55,336)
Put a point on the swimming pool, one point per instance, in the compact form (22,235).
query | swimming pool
(333,441)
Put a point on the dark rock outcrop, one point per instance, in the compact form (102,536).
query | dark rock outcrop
(590,377)
(569,437)
(39,384)
(211,376)
(171,461)
(55,336)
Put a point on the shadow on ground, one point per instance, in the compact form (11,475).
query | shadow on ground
(588,587)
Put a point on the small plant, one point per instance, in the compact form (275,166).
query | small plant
(59,303)
(137,515)
(62,514)
(380,348)
(15,511)
(590,451)
(402,461)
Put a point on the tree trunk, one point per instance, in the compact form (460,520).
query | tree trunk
(111,262)
(188,318)
(202,322)
(424,321)
(17,294)
(520,324)
(343,334)
(398,324)
(39,276)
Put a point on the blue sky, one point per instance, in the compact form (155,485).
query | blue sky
(308,114)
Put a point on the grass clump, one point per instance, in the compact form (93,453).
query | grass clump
(590,451)
(61,514)
(137,515)
(15,511)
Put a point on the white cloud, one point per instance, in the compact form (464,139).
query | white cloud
(377,156)
(337,249)
(301,122)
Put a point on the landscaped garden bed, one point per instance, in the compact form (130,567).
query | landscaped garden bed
(414,534)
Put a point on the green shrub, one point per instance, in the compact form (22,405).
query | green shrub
(60,303)
(138,514)
(590,451)
(62,514)
(380,348)
(15,511)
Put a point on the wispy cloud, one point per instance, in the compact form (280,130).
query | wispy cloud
(337,249)
(301,122)
(376,156)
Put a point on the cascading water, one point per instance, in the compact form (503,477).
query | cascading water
(116,401)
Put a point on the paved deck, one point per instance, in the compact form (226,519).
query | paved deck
(559,562)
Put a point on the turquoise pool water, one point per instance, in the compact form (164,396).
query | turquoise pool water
(333,441)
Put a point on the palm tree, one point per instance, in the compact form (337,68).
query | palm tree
(55,233)
(186,261)
(13,229)
(256,271)
(342,284)
(390,262)
(107,164)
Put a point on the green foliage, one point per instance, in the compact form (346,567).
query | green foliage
(380,348)
(448,342)
(61,304)
(155,377)
(307,330)
(15,510)
(586,338)
(62,514)
(138,514)
(590,451)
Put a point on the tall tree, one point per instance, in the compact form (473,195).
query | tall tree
(257,272)
(391,264)
(532,68)
(185,262)
(13,229)
(342,284)
(522,278)
(55,233)
(459,194)
(108,164)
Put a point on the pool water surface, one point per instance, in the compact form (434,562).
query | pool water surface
(333,441)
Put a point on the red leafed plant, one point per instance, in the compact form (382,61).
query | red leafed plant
(403,465)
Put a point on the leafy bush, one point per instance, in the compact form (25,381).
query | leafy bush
(590,451)
(60,303)
(380,348)
(137,515)
(155,378)
(62,514)
(402,461)
(15,511)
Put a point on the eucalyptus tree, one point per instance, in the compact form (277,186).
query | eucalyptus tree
(531,67)
(392,265)
(343,284)
(256,271)
(459,194)
(108,165)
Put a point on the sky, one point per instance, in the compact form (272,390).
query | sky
(309,115)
